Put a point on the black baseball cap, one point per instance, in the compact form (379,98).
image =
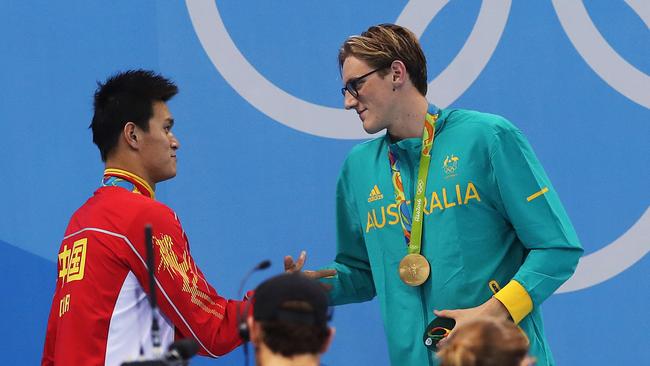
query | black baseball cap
(292,298)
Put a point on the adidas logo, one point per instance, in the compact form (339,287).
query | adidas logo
(375,194)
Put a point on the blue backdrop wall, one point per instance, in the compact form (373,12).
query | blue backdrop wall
(263,136)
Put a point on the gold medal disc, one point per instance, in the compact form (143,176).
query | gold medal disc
(414,269)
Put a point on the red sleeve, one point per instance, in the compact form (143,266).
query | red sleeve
(183,294)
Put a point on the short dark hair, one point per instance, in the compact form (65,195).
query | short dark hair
(293,313)
(126,97)
(382,44)
(291,339)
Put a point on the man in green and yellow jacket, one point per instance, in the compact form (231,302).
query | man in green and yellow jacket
(460,190)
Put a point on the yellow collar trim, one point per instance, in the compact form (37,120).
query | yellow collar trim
(136,178)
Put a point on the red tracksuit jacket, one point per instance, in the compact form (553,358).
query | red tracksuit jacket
(100,313)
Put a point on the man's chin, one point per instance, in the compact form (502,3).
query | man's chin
(167,177)
(371,130)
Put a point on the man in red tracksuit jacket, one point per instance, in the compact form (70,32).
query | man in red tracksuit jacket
(100,313)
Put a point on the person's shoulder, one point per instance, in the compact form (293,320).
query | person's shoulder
(137,204)
(148,211)
(369,148)
(152,207)
(480,122)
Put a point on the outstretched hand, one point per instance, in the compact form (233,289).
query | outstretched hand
(291,266)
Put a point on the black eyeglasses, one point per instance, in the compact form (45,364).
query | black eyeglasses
(352,84)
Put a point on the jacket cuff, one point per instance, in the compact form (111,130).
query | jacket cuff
(516,300)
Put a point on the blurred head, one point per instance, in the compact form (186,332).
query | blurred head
(290,316)
(486,342)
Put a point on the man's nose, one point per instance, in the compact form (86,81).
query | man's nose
(349,101)
(175,143)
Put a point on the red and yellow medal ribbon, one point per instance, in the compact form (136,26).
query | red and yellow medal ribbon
(413,228)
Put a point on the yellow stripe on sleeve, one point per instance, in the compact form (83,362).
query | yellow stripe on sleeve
(537,194)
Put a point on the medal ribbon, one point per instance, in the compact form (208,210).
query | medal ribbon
(129,181)
(413,229)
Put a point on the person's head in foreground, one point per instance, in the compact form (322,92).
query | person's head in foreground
(486,342)
(289,322)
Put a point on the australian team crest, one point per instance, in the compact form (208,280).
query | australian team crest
(450,165)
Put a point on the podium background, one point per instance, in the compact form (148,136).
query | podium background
(250,188)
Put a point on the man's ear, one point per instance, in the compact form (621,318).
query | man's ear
(398,73)
(130,134)
(254,330)
(328,341)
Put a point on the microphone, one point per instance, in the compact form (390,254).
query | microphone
(155,327)
(181,350)
(263,265)
(241,323)
(177,354)
(259,267)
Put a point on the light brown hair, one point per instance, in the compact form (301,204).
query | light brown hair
(485,342)
(382,44)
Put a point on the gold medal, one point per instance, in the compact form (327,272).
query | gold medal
(414,269)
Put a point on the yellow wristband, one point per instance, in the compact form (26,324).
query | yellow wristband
(516,299)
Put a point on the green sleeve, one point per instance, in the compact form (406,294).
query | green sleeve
(532,205)
(353,282)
